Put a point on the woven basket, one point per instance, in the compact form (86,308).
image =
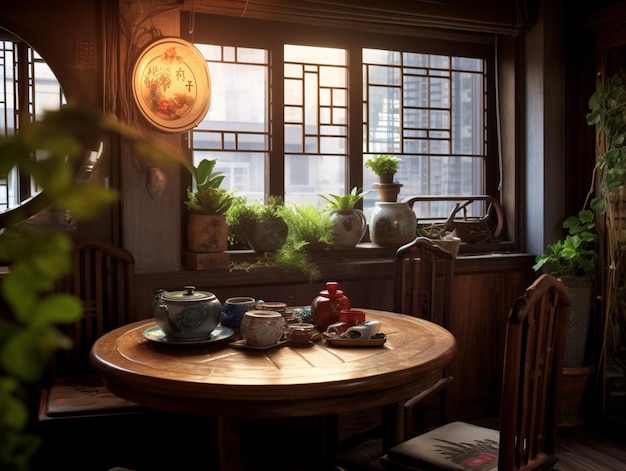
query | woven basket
(572,394)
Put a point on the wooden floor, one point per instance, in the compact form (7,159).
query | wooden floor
(586,449)
(177,444)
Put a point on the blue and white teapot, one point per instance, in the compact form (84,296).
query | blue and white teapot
(187,314)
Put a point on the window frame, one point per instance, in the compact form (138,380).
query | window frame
(27,85)
(245,32)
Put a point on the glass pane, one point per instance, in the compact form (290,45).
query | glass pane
(308,176)
(38,84)
(428,115)
(236,128)
(322,91)
(242,170)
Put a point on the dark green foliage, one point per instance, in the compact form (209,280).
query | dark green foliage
(37,257)
(607,111)
(576,254)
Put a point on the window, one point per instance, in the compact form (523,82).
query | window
(299,115)
(27,90)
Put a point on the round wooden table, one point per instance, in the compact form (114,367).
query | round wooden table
(217,379)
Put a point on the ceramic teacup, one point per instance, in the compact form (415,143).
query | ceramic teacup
(234,309)
(260,328)
(351,316)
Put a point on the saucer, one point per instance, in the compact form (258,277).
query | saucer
(346,342)
(243,344)
(155,334)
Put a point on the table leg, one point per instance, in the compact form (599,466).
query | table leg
(393,425)
(229,441)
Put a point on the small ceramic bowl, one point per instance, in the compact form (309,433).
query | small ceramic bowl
(301,332)
(275,306)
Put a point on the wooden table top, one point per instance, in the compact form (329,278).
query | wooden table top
(218,379)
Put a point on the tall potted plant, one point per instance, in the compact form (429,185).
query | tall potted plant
(607,112)
(349,222)
(573,260)
(207,230)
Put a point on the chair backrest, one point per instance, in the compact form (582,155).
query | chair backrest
(103,277)
(531,384)
(423,280)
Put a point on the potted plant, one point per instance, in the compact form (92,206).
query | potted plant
(349,222)
(606,113)
(308,228)
(385,166)
(573,260)
(309,225)
(207,230)
(261,226)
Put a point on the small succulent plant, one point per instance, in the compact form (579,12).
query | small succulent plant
(344,201)
(208,198)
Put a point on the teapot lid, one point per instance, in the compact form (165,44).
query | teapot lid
(188,294)
(331,290)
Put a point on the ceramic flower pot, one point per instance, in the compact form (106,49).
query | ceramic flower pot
(268,236)
(349,227)
(207,233)
(388,192)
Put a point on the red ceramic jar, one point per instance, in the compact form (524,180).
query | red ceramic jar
(327,306)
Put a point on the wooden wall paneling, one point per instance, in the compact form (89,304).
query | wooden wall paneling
(482,303)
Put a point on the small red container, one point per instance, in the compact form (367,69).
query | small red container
(351,316)
(326,307)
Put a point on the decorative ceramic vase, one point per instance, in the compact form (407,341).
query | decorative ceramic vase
(267,236)
(262,328)
(186,314)
(327,306)
(392,224)
(207,233)
(349,227)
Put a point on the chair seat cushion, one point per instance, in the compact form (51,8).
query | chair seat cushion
(454,446)
(83,395)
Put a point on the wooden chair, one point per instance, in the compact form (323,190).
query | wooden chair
(423,287)
(423,282)
(103,278)
(531,384)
